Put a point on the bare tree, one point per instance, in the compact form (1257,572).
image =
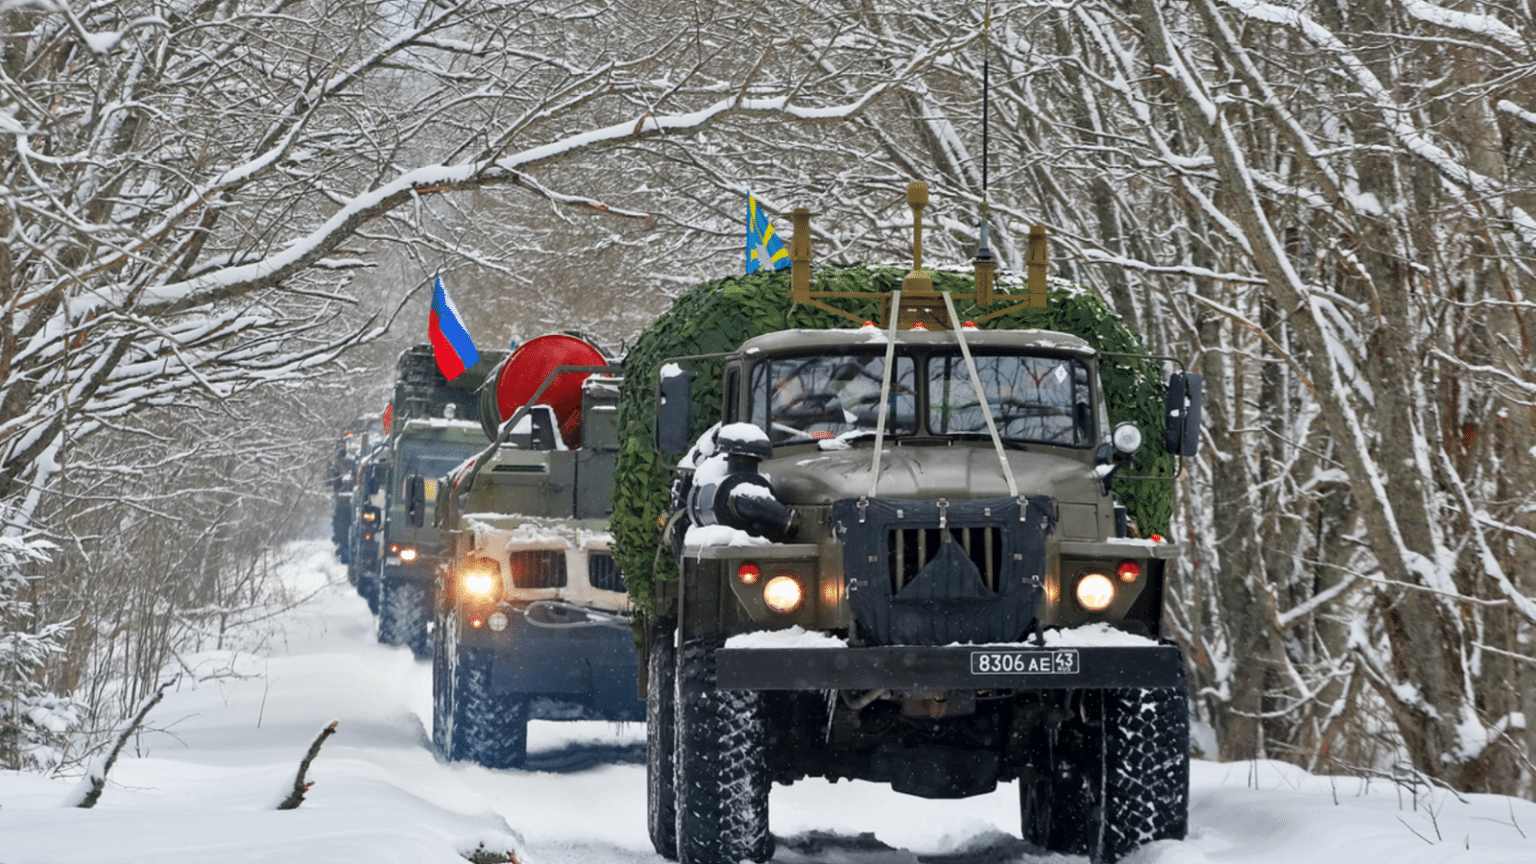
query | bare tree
(189,197)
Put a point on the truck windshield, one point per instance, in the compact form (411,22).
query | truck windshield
(798,399)
(1045,399)
(432,461)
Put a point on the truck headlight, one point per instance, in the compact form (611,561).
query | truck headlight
(408,554)
(480,576)
(1095,592)
(783,593)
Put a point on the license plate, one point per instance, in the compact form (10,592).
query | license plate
(1062,662)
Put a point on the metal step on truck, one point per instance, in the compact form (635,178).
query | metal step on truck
(900,557)
(531,617)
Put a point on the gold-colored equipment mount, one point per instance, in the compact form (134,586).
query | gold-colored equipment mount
(920,303)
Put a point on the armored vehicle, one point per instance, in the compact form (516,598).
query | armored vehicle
(532,620)
(901,559)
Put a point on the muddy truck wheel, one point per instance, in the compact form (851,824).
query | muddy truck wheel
(661,739)
(403,616)
(721,773)
(1146,769)
(470,721)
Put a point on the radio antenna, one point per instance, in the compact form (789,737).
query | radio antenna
(986,96)
(986,265)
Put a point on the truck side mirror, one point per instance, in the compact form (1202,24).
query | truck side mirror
(674,411)
(371,479)
(416,500)
(1182,430)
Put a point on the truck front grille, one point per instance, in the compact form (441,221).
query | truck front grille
(935,572)
(603,572)
(908,550)
(540,568)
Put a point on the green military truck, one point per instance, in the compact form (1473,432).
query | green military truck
(434,425)
(902,557)
(355,441)
(367,502)
(411,551)
(532,620)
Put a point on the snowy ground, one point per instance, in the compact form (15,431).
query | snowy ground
(202,787)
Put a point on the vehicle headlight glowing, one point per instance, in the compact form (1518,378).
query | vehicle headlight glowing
(783,593)
(408,554)
(480,576)
(1095,592)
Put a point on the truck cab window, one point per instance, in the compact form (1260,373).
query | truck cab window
(1043,399)
(799,399)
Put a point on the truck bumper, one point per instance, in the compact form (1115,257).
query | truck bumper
(422,571)
(594,667)
(955,667)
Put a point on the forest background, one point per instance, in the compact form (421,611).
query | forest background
(220,219)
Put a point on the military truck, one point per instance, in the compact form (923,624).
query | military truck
(532,621)
(434,426)
(356,440)
(901,559)
(368,501)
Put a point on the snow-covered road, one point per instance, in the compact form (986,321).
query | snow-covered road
(202,785)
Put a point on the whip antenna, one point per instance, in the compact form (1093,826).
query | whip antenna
(986,265)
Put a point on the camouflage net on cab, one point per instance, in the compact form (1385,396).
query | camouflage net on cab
(718,316)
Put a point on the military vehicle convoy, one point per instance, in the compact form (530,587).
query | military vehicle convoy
(905,553)
(531,616)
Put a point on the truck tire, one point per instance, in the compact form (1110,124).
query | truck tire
(470,722)
(403,616)
(1057,805)
(1146,768)
(661,738)
(1035,810)
(442,704)
(721,777)
(368,589)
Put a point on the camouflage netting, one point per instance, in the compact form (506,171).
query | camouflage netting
(718,316)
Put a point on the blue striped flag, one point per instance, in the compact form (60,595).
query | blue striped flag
(765,251)
(451,345)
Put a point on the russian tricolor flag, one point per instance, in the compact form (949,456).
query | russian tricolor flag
(451,344)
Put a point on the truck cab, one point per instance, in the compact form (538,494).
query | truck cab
(422,451)
(1047,536)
